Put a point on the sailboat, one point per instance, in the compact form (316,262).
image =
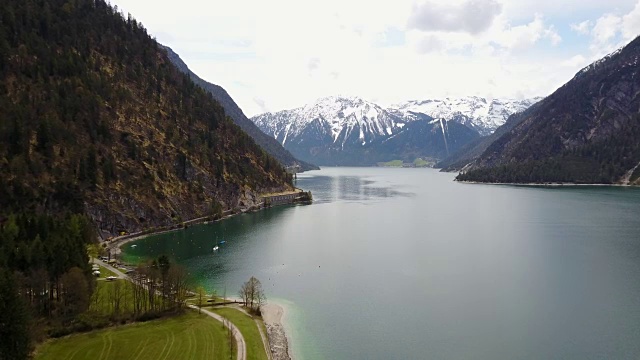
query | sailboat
(215,248)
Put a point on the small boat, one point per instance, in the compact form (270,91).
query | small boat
(133,245)
(222,242)
(215,248)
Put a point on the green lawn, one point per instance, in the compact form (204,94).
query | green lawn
(393,163)
(189,336)
(249,329)
(419,162)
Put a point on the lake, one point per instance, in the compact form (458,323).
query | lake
(408,264)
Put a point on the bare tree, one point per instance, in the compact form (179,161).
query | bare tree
(96,300)
(252,294)
(178,284)
(75,292)
(244,293)
(201,294)
(213,295)
(138,293)
(115,297)
(150,280)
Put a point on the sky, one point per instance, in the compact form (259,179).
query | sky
(282,54)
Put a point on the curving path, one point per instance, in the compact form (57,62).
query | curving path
(241,345)
(265,340)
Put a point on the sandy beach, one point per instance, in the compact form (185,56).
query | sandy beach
(273,315)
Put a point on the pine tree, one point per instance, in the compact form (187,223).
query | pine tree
(15,340)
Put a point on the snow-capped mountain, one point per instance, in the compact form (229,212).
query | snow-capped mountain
(482,114)
(346,120)
(352,131)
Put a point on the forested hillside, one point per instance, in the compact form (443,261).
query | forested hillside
(458,160)
(585,132)
(95,119)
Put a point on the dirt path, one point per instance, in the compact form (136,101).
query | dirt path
(241,345)
(265,341)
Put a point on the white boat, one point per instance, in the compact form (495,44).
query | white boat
(215,248)
(134,245)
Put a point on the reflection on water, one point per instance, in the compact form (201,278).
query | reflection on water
(350,188)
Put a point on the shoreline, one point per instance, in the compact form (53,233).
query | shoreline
(118,241)
(548,184)
(273,316)
(274,313)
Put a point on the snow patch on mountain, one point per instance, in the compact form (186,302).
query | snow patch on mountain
(484,115)
(342,115)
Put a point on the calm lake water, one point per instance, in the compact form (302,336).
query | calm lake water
(408,264)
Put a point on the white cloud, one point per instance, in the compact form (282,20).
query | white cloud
(285,53)
(611,31)
(631,23)
(523,36)
(470,16)
(583,28)
(605,30)
(575,62)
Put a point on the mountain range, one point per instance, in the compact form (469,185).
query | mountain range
(484,115)
(587,131)
(341,130)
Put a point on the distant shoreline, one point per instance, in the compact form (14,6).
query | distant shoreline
(547,184)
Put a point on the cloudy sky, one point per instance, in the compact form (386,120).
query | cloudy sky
(280,54)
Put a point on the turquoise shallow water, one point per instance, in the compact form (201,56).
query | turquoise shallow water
(408,264)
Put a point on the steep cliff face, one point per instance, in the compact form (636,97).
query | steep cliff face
(269,144)
(96,119)
(585,132)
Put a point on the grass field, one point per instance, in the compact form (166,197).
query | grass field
(393,163)
(249,329)
(189,336)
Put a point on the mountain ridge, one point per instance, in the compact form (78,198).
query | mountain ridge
(233,110)
(585,132)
